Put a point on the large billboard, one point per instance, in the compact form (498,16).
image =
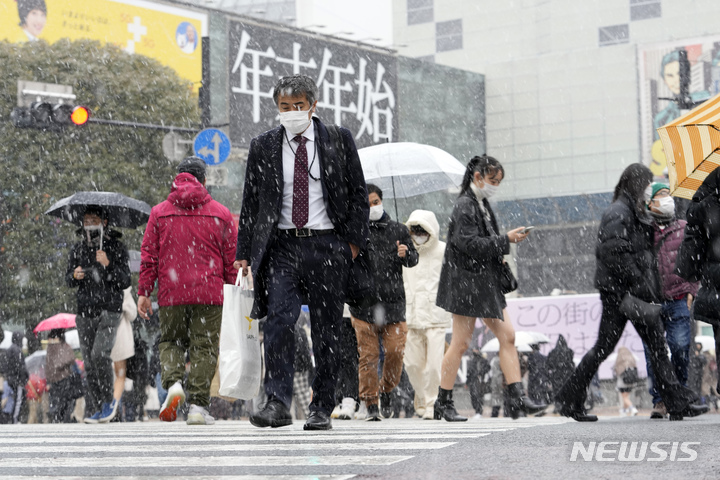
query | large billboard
(660,82)
(358,86)
(169,34)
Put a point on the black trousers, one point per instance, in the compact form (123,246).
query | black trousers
(612,323)
(347,385)
(312,270)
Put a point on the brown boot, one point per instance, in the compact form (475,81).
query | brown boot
(659,411)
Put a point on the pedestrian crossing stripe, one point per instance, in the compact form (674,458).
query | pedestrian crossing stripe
(204,461)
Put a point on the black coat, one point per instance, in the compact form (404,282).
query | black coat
(13,367)
(344,192)
(625,253)
(386,267)
(102,288)
(472,266)
(559,364)
(699,257)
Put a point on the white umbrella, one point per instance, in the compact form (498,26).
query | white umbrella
(494,346)
(708,342)
(406,169)
(537,337)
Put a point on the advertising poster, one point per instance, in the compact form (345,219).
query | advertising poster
(168,34)
(660,77)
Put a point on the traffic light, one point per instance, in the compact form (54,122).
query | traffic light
(46,116)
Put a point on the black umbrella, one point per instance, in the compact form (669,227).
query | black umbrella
(121,211)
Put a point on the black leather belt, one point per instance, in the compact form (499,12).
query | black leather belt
(304,232)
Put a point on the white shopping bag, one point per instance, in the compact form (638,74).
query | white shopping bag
(240,361)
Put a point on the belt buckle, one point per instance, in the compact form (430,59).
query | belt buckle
(302,232)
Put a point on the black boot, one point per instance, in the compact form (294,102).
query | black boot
(445,407)
(495,412)
(521,402)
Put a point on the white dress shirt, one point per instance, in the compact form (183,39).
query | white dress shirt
(318,218)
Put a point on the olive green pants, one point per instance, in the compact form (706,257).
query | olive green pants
(193,330)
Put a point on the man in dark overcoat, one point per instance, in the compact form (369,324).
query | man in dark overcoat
(304,218)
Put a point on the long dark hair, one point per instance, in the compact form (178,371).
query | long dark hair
(483,164)
(633,182)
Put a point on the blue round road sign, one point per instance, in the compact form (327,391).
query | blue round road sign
(212,145)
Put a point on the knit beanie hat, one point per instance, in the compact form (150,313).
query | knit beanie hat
(653,189)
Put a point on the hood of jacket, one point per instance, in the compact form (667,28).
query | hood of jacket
(188,193)
(427,220)
(710,186)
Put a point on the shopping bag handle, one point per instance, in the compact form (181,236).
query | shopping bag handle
(241,281)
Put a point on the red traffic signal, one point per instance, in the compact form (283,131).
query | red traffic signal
(80,115)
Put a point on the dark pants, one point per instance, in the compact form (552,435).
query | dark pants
(676,318)
(347,386)
(612,323)
(313,269)
(62,403)
(97,337)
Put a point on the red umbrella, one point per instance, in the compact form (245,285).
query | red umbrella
(61,320)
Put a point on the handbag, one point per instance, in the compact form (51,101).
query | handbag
(75,384)
(630,376)
(639,310)
(240,361)
(508,282)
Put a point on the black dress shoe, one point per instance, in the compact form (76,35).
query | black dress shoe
(577,415)
(318,420)
(689,411)
(274,414)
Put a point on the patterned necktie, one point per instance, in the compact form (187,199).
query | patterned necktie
(300,209)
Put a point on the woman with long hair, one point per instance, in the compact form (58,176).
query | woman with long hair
(626,264)
(471,285)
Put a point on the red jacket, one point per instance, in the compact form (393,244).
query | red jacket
(188,247)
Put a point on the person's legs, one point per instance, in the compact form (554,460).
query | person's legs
(677,332)
(394,336)
(675,396)
(348,374)
(284,303)
(325,270)
(572,395)
(204,334)
(435,338)
(86,327)
(461,336)
(369,349)
(120,375)
(103,345)
(174,343)
(505,333)
(415,361)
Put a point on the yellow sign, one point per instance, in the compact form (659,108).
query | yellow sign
(168,34)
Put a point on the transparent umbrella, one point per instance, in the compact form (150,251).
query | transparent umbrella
(407,169)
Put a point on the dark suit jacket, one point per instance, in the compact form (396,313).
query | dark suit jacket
(344,192)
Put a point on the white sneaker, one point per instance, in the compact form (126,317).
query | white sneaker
(476,417)
(633,411)
(336,412)
(199,416)
(347,409)
(361,414)
(429,413)
(623,412)
(175,398)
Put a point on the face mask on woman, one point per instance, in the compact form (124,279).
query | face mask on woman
(486,191)
(419,239)
(666,206)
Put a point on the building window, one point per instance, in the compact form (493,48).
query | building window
(448,36)
(614,35)
(419,11)
(644,9)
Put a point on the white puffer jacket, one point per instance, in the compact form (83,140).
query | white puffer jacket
(421,282)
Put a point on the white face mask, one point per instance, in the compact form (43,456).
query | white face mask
(666,206)
(419,239)
(295,121)
(486,191)
(376,212)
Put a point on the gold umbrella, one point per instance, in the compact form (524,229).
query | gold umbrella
(692,147)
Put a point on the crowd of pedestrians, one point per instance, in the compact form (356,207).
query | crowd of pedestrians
(306,215)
